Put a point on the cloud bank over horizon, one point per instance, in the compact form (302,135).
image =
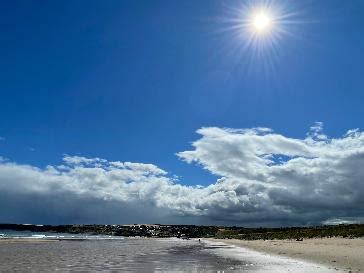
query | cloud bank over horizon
(265,178)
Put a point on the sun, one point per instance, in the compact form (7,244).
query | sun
(257,31)
(261,22)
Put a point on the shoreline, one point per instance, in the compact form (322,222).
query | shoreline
(340,253)
(26,240)
(42,239)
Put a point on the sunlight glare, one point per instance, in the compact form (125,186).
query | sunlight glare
(261,22)
(256,30)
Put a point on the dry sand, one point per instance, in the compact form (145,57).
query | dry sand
(347,254)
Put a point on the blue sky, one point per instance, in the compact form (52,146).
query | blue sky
(134,80)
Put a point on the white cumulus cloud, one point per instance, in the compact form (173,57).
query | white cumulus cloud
(265,178)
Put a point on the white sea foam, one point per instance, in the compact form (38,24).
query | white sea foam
(38,236)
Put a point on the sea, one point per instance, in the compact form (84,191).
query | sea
(49,252)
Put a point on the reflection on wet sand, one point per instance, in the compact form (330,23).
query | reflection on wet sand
(137,255)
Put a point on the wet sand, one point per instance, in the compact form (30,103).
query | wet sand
(142,255)
(345,254)
(120,255)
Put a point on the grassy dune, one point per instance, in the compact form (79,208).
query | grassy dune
(345,231)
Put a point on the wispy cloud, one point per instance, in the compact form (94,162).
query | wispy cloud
(320,179)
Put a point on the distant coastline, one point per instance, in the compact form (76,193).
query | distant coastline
(192,231)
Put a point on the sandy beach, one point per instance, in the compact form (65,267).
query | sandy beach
(346,254)
(310,255)
(141,255)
